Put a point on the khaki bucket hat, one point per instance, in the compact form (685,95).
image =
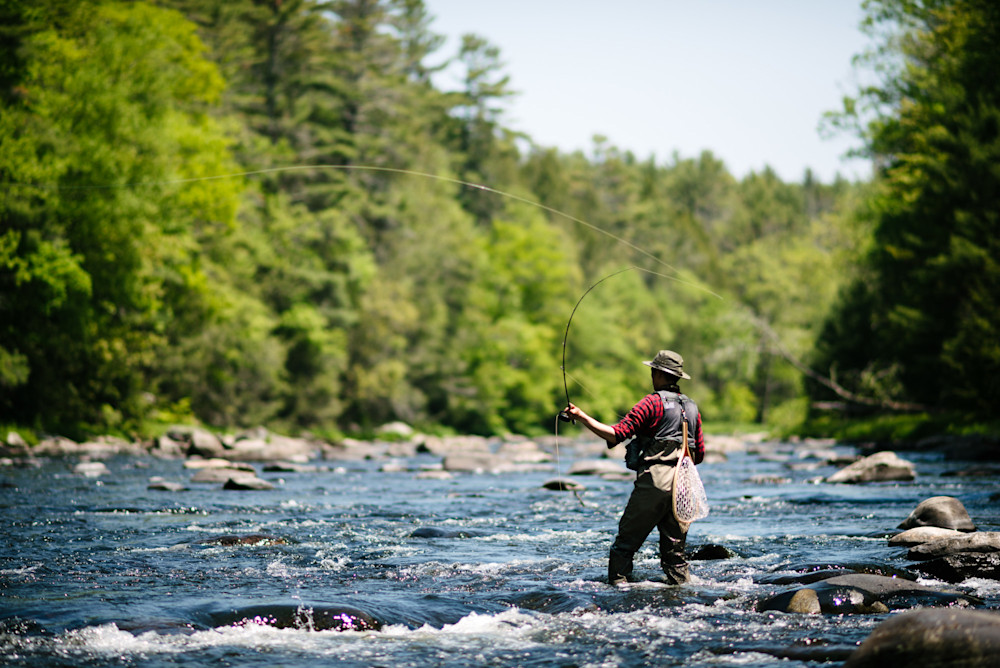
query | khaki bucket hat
(670,362)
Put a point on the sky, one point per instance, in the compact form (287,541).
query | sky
(748,80)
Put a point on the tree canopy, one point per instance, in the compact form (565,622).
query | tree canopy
(245,213)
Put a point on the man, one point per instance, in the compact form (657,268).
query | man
(655,424)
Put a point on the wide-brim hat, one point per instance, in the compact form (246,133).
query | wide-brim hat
(669,362)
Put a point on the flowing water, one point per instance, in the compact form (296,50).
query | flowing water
(477,570)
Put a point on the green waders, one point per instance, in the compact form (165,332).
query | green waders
(648,507)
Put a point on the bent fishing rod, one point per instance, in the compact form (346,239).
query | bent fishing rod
(563,415)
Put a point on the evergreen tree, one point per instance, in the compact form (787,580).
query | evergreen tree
(927,309)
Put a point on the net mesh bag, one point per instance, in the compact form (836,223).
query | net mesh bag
(690,500)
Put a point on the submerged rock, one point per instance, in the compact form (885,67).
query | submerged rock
(945,512)
(245,539)
(438,532)
(931,639)
(712,552)
(563,485)
(880,467)
(300,616)
(861,593)
(956,568)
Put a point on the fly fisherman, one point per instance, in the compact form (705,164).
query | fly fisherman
(654,424)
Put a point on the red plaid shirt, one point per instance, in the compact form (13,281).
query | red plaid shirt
(643,420)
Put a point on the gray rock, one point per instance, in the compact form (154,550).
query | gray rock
(434,475)
(198,464)
(563,485)
(979,541)
(352,450)
(946,512)
(880,467)
(920,535)
(158,483)
(91,469)
(471,462)
(956,568)
(168,448)
(523,452)
(443,447)
(244,483)
(290,467)
(216,475)
(932,639)
(15,440)
(596,467)
(865,594)
(398,429)
(768,479)
(203,443)
(272,448)
(55,446)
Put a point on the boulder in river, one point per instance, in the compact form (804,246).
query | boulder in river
(862,593)
(880,467)
(563,485)
(596,467)
(979,541)
(946,512)
(932,638)
(956,568)
(91,469)
(471,462)
(921,535)
(159,484)
(711,552)
(211,475)
(247,483)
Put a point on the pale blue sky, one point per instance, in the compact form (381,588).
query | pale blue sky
(747,79)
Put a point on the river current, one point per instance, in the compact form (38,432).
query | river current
(475,570)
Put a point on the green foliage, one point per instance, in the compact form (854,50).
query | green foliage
(241,213)
(920,323)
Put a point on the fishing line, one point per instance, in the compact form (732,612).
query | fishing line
(374,168)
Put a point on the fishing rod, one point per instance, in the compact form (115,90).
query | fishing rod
(563,415)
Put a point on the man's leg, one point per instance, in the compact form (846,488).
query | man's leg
(642,513)
(672,540)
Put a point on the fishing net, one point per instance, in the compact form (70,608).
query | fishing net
(690,500)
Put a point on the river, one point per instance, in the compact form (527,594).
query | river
(475,570)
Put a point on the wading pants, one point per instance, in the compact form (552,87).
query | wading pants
(648,507)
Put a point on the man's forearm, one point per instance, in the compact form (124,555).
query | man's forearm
(605,431)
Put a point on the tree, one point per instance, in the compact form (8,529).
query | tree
(93,268)
(930,300)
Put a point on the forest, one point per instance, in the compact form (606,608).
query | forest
(267,212)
